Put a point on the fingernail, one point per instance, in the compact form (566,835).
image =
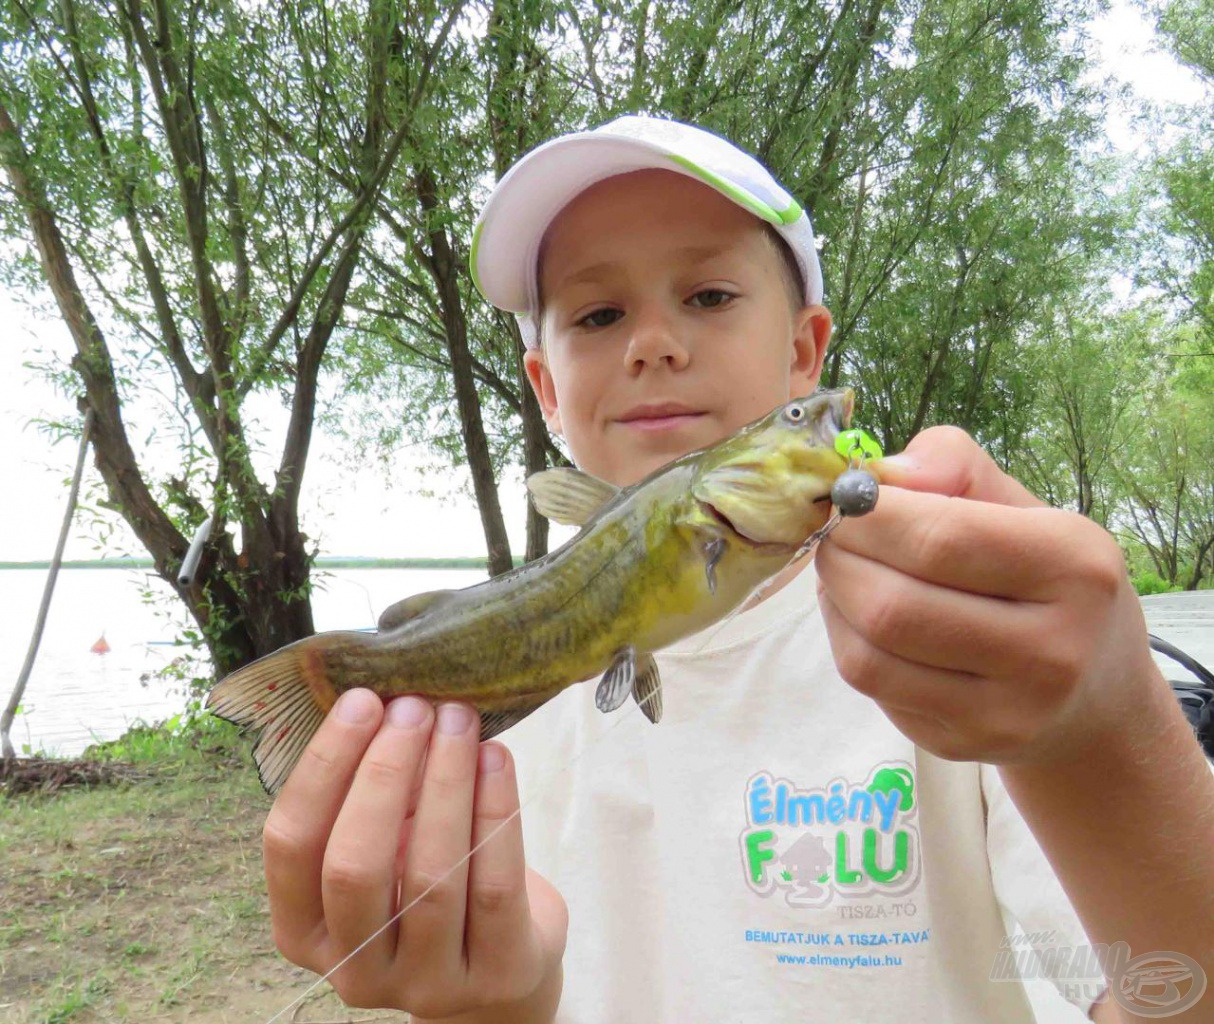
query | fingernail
(408,712)
(901,461)
(492,757)
(454,718)
(356,706)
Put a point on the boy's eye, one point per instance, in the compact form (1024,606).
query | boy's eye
(600,317)
(710,298)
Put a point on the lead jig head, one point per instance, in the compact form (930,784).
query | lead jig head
(854,493)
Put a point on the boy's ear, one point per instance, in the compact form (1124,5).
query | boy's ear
(545,390)
(811,335)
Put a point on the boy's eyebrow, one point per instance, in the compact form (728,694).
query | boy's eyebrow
(590,273)
(693,253)
(702,253)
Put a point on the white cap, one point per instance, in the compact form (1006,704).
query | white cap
(506,239)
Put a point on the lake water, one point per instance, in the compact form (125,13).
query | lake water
(75,697)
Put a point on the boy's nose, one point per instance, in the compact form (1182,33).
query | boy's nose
(654,341)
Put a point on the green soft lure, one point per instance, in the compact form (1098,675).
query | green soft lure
(855,441)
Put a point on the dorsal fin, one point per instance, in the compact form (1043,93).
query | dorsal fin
(411,608)
(567,495)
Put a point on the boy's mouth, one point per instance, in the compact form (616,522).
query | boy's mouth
(659,416)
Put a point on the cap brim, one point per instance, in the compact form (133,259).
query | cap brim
(512,225)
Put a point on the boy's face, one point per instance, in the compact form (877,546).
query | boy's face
(666,325)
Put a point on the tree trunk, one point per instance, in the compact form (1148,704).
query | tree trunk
(442,266)
(251,603)
(510,123)
(535,449)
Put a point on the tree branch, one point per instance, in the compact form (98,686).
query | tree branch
(365,197)
(114,457)
(238,302)
(195,383)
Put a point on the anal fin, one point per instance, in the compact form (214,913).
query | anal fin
(495,722)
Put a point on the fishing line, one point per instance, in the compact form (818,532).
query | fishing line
(807,548)
(618,720)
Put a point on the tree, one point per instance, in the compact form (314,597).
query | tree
(1088,374)
(1168,479)
(424,303)
(936,145)
(1180,242)
(186,249)
(248,204)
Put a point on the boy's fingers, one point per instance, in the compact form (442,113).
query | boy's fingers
(894,682)
(432,932)
(360,867)
(298,827)
(499,918)
(1027,554)
(955,715)
(930,625)
(946,460)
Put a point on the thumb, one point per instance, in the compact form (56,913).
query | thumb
(946,460)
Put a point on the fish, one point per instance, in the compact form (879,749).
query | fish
(652,564)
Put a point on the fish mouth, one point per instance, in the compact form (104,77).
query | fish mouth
(765,546)
(725,521)
(836,418)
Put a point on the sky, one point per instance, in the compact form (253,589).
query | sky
(349,506)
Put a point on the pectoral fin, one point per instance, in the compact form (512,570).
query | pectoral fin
(617,681)
(647,690)
(713,551)
(411,608)
(567,495)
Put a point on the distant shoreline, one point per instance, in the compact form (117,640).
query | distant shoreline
(320,563)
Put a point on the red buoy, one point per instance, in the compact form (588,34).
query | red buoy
(100,647)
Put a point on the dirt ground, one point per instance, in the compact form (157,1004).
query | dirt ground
(146,902)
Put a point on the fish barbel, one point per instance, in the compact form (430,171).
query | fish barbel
(653,563)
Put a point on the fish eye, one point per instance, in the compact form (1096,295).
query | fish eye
(795,413)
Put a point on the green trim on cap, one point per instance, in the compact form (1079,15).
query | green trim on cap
(476,241)
(754,204)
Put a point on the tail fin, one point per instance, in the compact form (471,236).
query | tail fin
(284,697)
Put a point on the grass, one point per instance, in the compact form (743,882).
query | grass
(146,901)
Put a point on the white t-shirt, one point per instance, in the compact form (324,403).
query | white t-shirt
(775,850)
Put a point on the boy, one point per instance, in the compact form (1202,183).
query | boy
(794,839)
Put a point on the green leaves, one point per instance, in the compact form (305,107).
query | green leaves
(207,186)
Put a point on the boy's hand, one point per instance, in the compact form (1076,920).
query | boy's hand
(988,626)
(380,806)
